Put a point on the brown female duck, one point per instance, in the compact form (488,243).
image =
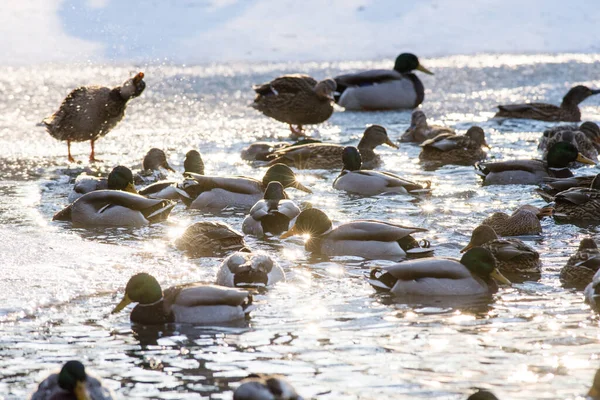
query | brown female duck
(589,129)
(419,130)
(448,148)
(578,139)
(581,266)
(525,220)
(210,239)
(579,204)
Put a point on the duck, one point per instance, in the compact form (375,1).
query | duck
(244,269)
(154,166)
(210,239)
(272,214)
(355,180)
(581,266)
(581,142)
(532,172)
(165,189)
(120,178)
(329,156)
(594,392)
(448,148)
(475,274)
(590,130)
(369,239)
(550,187)
(578,203)
(592,297)
(90,112)
(262,151)
(568,110)
(213,193)
(381,89)
(296,100)
(265,387)
(420,131)
(192,303)
(525,220)
(513,257)
(114,208)
(482,394)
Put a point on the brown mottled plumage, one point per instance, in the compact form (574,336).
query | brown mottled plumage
(581,266)
(90,112)
(579,204)
(419,130)
(550,187)
(525,220)
(449,148)
(210,239)
(589,129)
(578,139)
(329,156)
(296,100)
(567,111)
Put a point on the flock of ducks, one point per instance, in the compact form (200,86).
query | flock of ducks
(492,256)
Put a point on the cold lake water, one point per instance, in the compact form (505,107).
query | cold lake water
(325,328)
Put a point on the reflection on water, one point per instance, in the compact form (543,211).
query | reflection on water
(325,328)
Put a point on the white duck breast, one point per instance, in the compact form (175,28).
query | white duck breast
(249,269)
(208,314)
(370,183)
(253,225)
(210,304)
(394,94)
(361,248)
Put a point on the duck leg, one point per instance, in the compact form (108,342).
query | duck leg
(297,132)
(71,159)
(92,154)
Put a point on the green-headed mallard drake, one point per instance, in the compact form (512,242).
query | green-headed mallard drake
(192,303)
(165,189)
(567,111)
(525,220)
(218,192)
(114,208)
(272,214)
(361,238)
(329,156)
(589,129)
(578,204)
(382,89)
(449,148)
(592,297)
(210,239)
(154,167)
(579,140)
(420,131)
(72,383)
(581,266)
(532,172)
(120,178)
(296,100)
(90,112)
(265,387)
(262,151)
(364,182)
(475,274)
(482,394)
(513,257)
(243,269)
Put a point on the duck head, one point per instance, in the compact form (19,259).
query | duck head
(325,88)
(374,136)
(351,159)
(481,262)
(587,243)
(418,119)
(121,178)
(477,135)
(142,288)
(155,159)
(312,221)
(407,62)
(480,236)
(133,87)
(72,378)
(591,131)
(482,395)
(193,162)
(274,191)
(284,175)
(578,94)
(563,153)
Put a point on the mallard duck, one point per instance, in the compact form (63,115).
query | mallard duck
(217,193)
(550,187)
(525,220)
(243,269)
(272,214)
(420,131)
(449,148)
(90,112)
(482,394)
(362,238)
(72,383)
(581,266)
(475,274)
(532,172)
(589,129)
(262,151)
(265,387)
(567,111)
(120,178)
(192,303)
(114,208)
(513,257)
(165,189)
(154,166)
(592,295)
(210,239)
(382,89)
(355,180)
(296,100)
(329,156)
(578,139)
(578,204)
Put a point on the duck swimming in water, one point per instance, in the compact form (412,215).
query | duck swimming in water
(120,178)
(90,112)
(381,89)
(448,148)
(420,131)
(265,387)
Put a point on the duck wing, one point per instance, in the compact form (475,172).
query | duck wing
(286,84)
(507,249)
(529,110)
(393,180)
(577,196)
(368,77)
(366,230)
(444,142)
(532,166)
(237,184)
(200,294)
(431,267)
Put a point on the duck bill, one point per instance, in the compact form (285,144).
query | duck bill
(597,91)
(424,70)
(124,303)
(130,188)
(545,212)
(487,146)
(80,391)
(498,277)
(299,186)
(584,160)
(138,77)
(467,247)
(291,232)
(168,167)
(389,142)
